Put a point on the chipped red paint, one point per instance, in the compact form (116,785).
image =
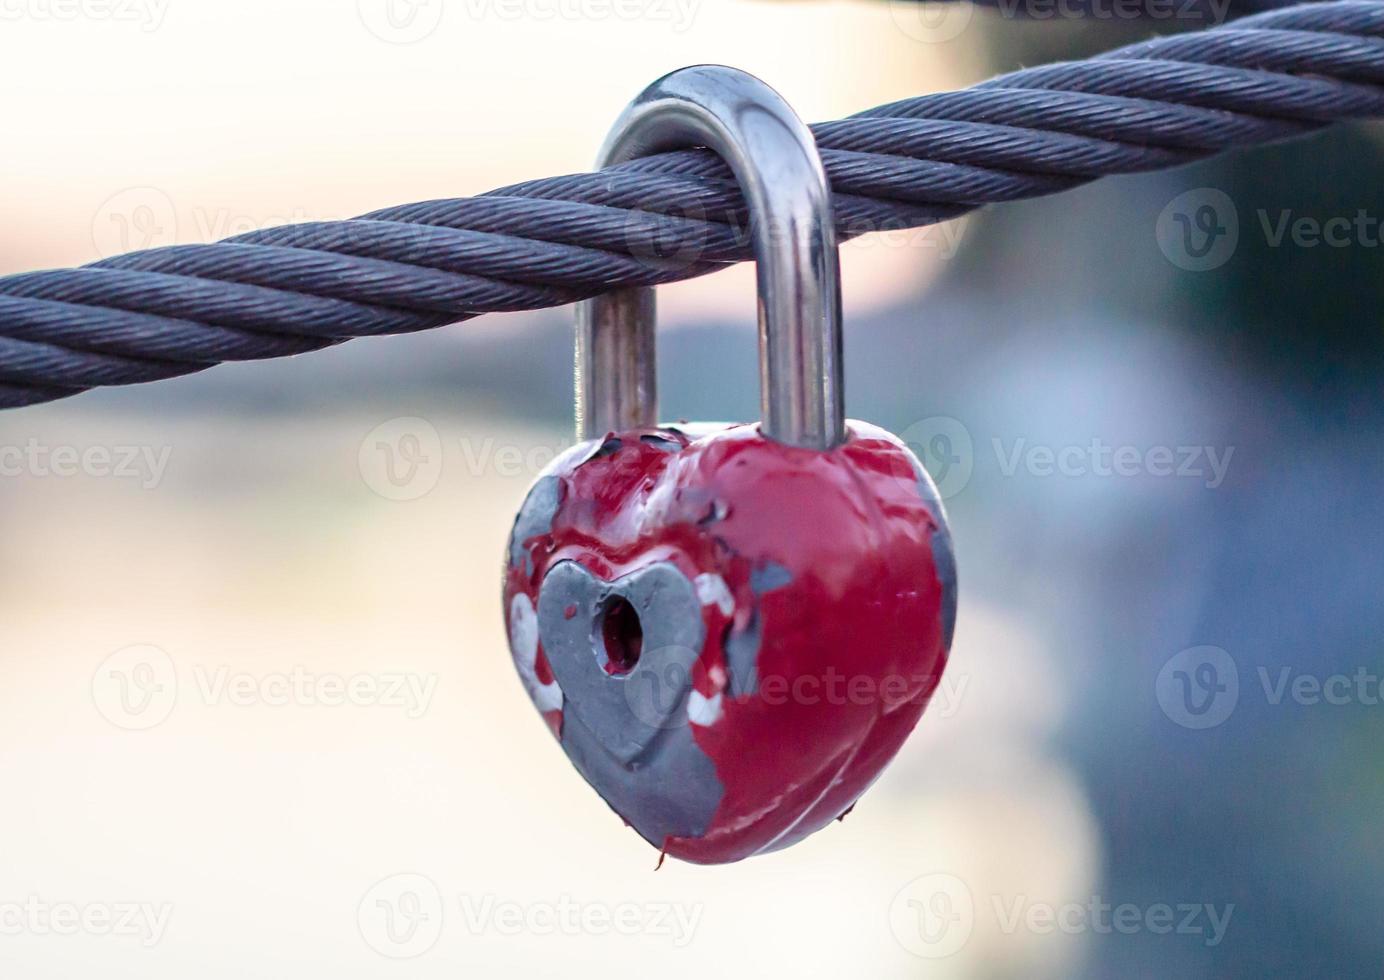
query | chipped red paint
(852,645)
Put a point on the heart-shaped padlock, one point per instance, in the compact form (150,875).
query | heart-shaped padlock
(731,629)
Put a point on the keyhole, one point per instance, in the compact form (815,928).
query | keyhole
(622,637)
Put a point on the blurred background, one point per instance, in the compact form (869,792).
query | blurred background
(258,717)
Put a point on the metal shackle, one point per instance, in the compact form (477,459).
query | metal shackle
(775,162)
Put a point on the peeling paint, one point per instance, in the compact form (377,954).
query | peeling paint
(523,644)
(713,591)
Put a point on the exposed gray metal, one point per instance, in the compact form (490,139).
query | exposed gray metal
(535,518)
(742,656)
(617,370)
(629,734)
(775,160)
(624,711)
(540,506)
(943,554)
(673,792)
(769,576)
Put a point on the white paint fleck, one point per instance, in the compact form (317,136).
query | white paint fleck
(523,644)
(712,590)
(702,710)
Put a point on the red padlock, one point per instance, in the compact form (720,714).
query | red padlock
(731,629)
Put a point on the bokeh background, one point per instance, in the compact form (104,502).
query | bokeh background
(1156,751)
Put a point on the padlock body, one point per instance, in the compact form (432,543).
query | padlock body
(730,637)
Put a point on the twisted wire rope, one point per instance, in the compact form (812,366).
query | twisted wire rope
(297,288)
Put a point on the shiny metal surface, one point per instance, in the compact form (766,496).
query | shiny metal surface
(774,159)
